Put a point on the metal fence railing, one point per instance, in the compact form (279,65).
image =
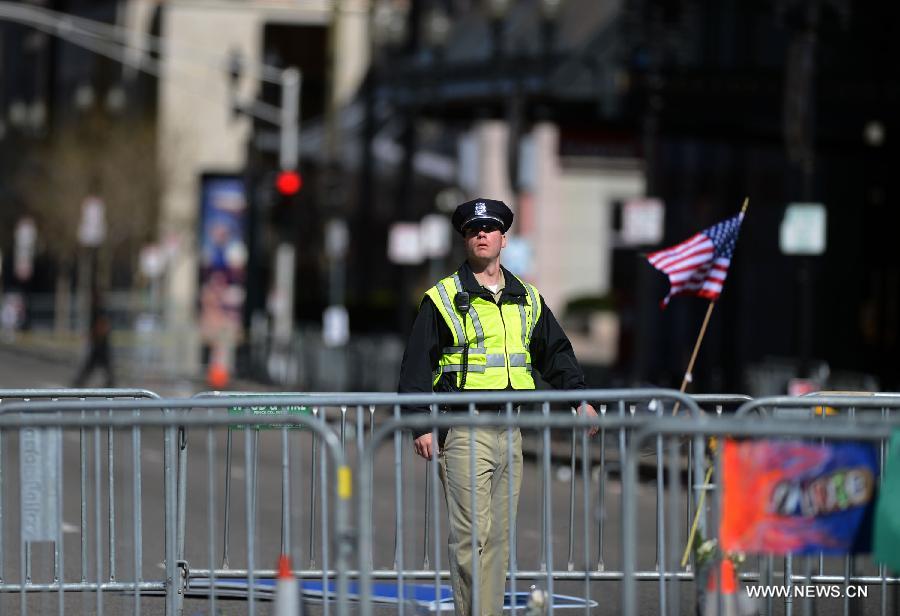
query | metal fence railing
(332,481)
(38,465)
(856,418)
(531,560)
(120,588)
(415,507)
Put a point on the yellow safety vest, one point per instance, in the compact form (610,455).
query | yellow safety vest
(498,337)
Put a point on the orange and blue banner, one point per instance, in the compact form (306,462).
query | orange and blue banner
(791,497)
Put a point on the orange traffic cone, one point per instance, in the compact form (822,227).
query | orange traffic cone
(217,375)
(723,594)
(287,591)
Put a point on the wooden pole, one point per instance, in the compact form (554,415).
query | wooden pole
(688,375)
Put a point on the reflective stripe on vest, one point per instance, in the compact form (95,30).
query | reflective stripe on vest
(498,338)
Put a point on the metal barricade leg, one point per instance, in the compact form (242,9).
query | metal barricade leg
(548,512)
(674,473)
(323,481)
(173,582)
(98,541)
(398,504)
(211,510)
(250,510)
(586,496)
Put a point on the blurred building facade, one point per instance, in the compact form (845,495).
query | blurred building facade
(202,133)
(785,102)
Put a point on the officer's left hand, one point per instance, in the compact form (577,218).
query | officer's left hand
(587,410)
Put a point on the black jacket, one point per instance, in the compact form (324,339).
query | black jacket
(551,352)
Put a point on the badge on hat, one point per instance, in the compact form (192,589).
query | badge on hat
(480,208)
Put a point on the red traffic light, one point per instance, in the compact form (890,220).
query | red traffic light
(288,183)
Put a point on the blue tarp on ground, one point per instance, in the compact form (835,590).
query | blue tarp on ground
(424,596)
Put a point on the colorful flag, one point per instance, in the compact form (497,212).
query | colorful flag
(698,265)
(887,511)
(790,497)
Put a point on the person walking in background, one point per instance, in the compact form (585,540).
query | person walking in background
(483,329)
(98,353)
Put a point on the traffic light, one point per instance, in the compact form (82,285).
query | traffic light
(281,194)
(288,183)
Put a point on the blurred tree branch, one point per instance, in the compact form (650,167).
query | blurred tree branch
(110,158)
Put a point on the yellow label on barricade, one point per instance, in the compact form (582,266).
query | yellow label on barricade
(269,410)
(825,410)
(345,483)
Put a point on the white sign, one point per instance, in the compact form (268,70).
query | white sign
(23,251)
(236,255)
(153,260)
(405,244)
(803,229)
(92,227)
(282,300)
(469,166)
(437,234)
(642,222)
(335,326)
(39,460)
(337,238)
(26,234)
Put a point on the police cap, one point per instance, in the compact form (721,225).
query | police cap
(482,212)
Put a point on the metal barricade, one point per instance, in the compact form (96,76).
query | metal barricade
(413,523)
(821,409)
(295,511)
(13,396)
(620,411)
(415,519)
(300,478)
(874,424)
(171,417)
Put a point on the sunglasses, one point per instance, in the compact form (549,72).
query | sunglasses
(479,226)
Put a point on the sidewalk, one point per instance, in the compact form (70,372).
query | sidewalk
(65,354)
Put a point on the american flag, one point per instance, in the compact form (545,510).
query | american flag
(698,265)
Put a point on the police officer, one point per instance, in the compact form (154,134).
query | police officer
(480,329)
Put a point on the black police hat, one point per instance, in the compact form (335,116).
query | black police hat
(483,211)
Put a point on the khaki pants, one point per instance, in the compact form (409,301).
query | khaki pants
(491,515)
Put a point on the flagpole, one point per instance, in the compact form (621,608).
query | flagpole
(689,373)
(687,379)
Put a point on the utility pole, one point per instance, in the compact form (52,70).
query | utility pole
(285,266)
(289,124)
(799,127)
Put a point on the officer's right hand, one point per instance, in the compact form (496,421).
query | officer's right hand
(423,446)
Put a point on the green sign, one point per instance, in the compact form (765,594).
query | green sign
(887,511)
(269,411)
